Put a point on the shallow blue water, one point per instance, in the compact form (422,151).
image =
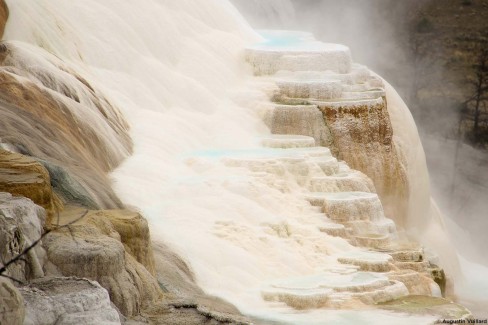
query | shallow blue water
(217,154)
(277,39)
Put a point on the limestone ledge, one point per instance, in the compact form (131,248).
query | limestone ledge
(67,301)
(23,176)
(363,137)
(21,223)
(111,247)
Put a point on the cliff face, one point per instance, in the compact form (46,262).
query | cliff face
(363,135)
(299,119)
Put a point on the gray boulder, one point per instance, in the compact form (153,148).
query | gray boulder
(67,301)
(20,225)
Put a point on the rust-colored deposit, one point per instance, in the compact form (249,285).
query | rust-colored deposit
(363,137)
(52,113)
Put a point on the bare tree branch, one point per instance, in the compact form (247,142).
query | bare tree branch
(21,255)
(13,279)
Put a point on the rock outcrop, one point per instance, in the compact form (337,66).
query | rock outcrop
(95,248)
(12,311)
(131,229)
(348,207)
(49,111)
(23,176)
(67,301)
(21,223)
(112,247)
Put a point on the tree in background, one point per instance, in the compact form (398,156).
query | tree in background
(474,111)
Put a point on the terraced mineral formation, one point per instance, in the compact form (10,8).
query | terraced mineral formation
(336,290)
(363,136)
(298,119)
(279,53)
(341,105)
(356,179)
(348,207)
